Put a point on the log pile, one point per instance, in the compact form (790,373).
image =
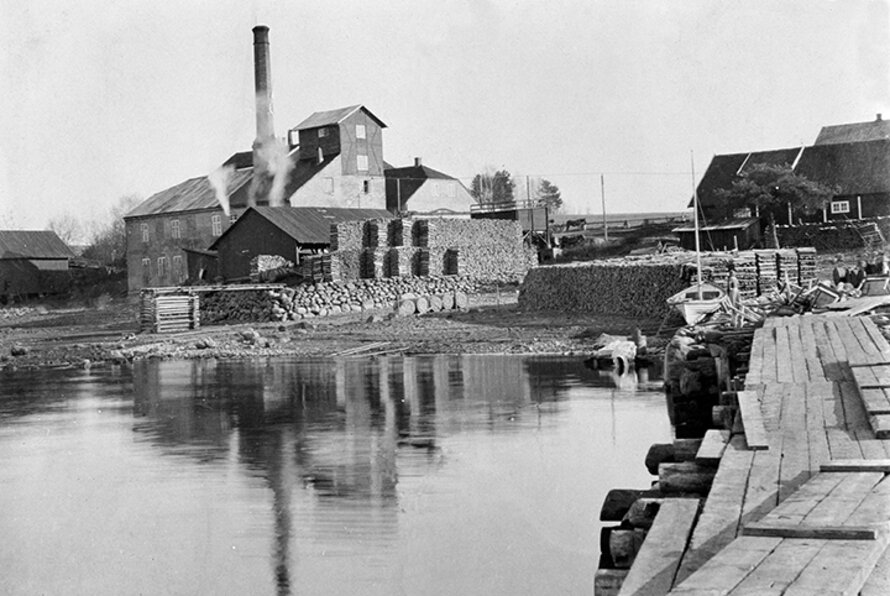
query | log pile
(323,299)
(165,313)
(262,263)
(633,287)
(348,235)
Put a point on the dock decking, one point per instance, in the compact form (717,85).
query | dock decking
(800,503)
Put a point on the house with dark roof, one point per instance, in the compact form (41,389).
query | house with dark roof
(32,263)
(421,189)
(288,232)
(854,158)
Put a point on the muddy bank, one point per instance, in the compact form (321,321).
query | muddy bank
(108,334)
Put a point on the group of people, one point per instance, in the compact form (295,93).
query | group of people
(852,279)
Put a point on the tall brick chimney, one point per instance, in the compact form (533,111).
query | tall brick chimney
(265,129)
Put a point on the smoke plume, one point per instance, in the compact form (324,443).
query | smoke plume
(219,180)
(273,154)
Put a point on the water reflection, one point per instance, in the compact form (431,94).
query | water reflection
(351,450)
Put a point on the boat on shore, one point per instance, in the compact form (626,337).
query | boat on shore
(697,301)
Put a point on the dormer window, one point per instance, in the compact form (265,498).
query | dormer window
(322,132)
(360,132)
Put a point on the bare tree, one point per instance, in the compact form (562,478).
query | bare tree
(109,238)
(67,227)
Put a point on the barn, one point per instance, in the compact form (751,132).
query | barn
(287,232)
(32,263)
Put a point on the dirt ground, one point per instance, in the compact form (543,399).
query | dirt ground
(92,335)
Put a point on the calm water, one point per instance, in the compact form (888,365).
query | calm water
(426,475)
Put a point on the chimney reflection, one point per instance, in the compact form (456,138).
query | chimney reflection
(330,438)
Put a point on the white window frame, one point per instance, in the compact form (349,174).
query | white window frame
(175,230)
(162,267)
(361,163)
(216,225)
(838,207)
(233,218)
(361,131)
(144,228)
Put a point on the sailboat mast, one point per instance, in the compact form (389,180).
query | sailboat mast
(695,219)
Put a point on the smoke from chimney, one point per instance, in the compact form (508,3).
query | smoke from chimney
(219,180)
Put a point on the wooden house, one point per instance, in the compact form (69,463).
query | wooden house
(288,232)
(32,263)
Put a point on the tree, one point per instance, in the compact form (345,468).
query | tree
(491,188)
(109,239)
(777,189)
(66,227)
(549,195)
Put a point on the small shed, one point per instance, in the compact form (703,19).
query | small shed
(33,263)
(287,232)
(737,233)
(202,265)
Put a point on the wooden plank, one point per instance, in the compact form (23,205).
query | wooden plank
(655,566)
(857,465)
(841,567)
(719,521)
(767,529)
(838,505)
(875,508)
(864,376)
(843,444)
(830,361)
(798,362)
(728,568)
(784,366)
(712,446)
(854,410)
(817,438)
(880,424)
(876,400)
(795,459)
(877,338)
(814,365)
(801,502)
(878,583)
(882,374)
(752,418)
(762,490)
(769,370)
(862,334)
(871,447)
(780,568)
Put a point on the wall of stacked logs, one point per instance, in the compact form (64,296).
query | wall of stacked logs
(403,296)
(629,287)
(639,286)
(374,249)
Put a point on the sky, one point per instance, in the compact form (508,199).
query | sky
(104,100)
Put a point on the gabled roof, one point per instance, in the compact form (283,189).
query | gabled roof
(856,132)
(306,225)
(304,170)
(857,168)
(416,172)
(38,244)
(192,194)
(336,117)
(724,169)
(242,159)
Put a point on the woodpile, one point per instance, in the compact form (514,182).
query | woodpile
(323,299)
(262,263)
(633,287)
(165,313)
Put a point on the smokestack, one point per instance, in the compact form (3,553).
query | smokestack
(265,130)
(417,162)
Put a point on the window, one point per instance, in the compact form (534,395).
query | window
(216,224)
(362,162)
(174,229)
(360,132)
(146,266)
(233,218)
(162,268)
(366,186)
(322,132)
(144,228)
(840,206)
(177,268)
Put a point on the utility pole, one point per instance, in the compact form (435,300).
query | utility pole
(603,194)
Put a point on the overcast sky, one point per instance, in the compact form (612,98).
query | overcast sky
(104,99)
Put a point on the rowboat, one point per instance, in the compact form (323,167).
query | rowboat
(697,301)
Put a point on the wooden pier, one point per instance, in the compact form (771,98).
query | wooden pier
(800,503)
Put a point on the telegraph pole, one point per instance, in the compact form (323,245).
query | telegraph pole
(603,194)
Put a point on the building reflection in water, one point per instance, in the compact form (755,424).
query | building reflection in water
(341,431)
